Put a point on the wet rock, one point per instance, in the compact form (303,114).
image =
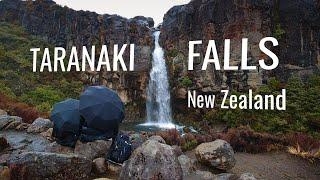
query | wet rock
(9,121)
(22,127)
(99,165)
(57,148)
(152,160)
(40,165)
(177,150)
(3,112)
(23,141)
(47,134)
(247,176)
(158,139)
(218,154)
(3,143)
(40,125)
(92,150)
(187,165)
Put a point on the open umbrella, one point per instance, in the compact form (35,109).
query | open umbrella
(67,121)
(102,109)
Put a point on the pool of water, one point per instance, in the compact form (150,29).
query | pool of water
(152,127)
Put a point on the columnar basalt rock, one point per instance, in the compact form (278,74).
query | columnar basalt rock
(295,24)
(64,27)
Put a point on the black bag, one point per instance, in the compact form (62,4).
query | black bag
(121,149)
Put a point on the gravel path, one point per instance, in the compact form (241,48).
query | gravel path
(278,165)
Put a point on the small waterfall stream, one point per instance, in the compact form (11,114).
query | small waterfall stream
(158,96)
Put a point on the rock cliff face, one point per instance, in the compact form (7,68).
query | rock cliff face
(64,27)
(295,24)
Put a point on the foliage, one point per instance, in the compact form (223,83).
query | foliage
(18,81)
(186,82)
(244,139)
(27,113)
(304,146)
(302,113)
(173,53)
(279,32)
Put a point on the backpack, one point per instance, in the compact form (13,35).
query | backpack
(121,149)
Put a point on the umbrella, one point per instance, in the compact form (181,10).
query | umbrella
(66,118)
(101,108)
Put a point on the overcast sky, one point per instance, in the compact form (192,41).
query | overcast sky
(126,8)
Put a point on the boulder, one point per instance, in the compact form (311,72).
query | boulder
(158,139)
(113,168)
(177,150)
(152,160)
(92,150)
(218,154)
(247,176)
(187,165)
(99,165)
(22,127)
(3,143)
(40,125)
(7,122)
(3,112)
(40,165)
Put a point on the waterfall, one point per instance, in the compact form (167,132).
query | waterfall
(158,95)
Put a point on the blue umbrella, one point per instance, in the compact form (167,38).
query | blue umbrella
(67,121)
(101,108)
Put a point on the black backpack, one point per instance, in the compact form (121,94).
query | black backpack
(121,149)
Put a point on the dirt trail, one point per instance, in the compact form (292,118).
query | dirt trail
(278,165)
(271,166)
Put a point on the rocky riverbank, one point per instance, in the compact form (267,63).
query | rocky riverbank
(28,151)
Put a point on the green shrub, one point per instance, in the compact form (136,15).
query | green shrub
(17,79)
(279,32)
(189,145)
(186,82)
(302,114)
(42,95)
(44,107)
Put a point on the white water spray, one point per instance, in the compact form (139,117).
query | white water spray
(158,96)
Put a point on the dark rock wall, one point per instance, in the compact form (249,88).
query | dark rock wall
(295,24)
(64,27)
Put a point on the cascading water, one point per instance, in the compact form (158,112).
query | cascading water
(158,95)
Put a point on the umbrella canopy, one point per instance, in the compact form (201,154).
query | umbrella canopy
(101,108)
(66,118)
